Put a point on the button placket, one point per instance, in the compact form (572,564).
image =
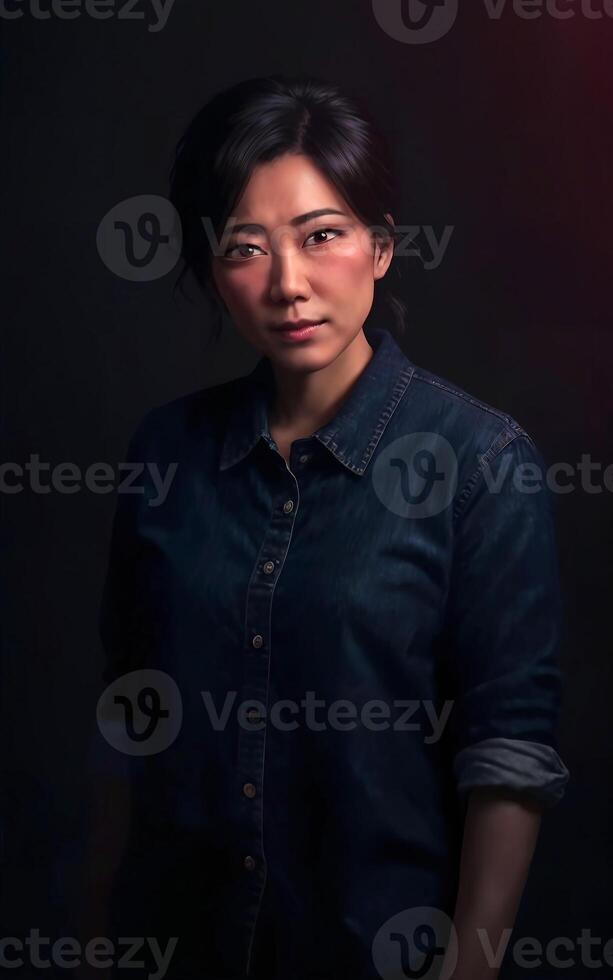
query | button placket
(252,735)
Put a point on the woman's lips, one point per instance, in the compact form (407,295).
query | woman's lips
(299,333)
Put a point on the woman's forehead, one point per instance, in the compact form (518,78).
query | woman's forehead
(286,189)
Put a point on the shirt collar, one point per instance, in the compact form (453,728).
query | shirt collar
(352,435)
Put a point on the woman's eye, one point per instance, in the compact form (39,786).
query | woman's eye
(327,232)
(244,250)
(242,255)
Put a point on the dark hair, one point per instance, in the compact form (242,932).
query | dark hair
(256,121)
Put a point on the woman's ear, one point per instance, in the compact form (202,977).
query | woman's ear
(384,250)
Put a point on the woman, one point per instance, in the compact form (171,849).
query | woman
(351,589)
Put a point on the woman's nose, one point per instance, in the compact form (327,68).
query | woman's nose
(288,280)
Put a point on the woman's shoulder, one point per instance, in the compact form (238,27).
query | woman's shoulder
(195,414)
(466,434)
(461,416)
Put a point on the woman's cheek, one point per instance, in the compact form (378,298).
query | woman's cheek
(242,286)
(348,265)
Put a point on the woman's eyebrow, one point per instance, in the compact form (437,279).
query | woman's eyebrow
(300,220)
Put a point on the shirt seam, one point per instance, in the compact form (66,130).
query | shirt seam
(476,402)
(503,439)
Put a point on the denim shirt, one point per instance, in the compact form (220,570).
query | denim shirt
(351,643)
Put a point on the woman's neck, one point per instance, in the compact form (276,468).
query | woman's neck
(305,401)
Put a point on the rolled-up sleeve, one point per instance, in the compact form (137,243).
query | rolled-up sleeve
(505,621)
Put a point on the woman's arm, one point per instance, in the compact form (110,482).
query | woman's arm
(500,834)
(505,619)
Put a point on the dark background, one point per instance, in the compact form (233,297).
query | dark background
(501,129)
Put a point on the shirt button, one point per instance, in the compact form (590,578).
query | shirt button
(288,506)
(269,567)
(249,790)
(257,641)
(304,458)
(249,863)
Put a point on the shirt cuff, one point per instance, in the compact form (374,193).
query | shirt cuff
(531,768)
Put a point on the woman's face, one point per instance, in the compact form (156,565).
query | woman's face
(290,264)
